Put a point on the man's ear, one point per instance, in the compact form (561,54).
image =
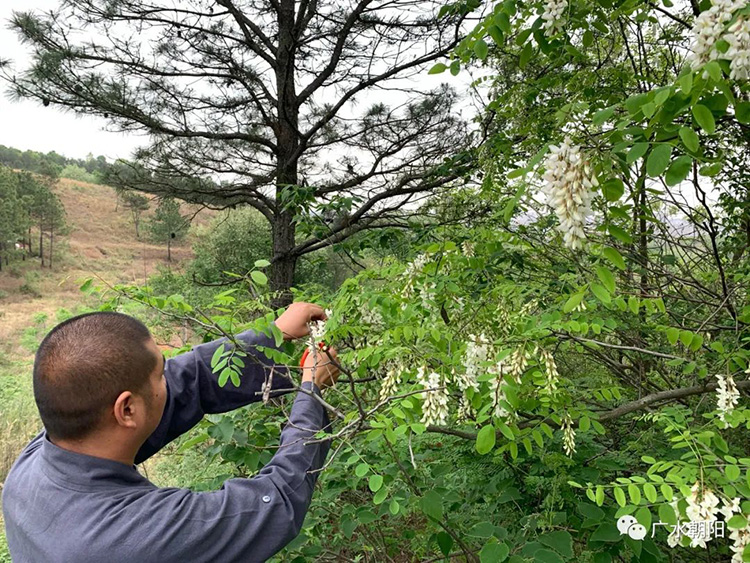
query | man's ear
(124,410)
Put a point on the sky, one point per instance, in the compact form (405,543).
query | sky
(29,125)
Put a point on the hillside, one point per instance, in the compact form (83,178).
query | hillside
(102,242)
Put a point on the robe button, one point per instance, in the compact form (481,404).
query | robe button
(266,499)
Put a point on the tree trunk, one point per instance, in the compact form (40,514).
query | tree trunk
(41,241)
(51,245)
(169,249)
(287,141)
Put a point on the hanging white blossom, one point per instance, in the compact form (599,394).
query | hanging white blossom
(550,370)
(727,396)
(739,49)
(519,359)
(553,16)
(435,406)
(569,435)
(465,411)
(708,28)
(317,331)
(498,386)
(740,536)
(702,506)
(568,183)
(390,384)
(477,350)
(468,248)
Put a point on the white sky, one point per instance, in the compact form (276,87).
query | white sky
(29,125)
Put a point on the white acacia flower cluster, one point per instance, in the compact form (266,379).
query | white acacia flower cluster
(739,49)
(477,351)
(465,411)
(550,370)
(435,406)
(468,248)
(708,29)
(372,317)
(553,16)
(498,385)
(390,384)
(569,435)
(740,536)
(317,331)
(568,183)
(727,396)
(519,359)
(702,506)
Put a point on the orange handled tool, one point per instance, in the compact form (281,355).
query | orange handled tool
(321,345)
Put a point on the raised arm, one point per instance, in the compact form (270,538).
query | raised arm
(247,520)
(193,389)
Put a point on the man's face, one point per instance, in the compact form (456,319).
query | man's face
(157,392)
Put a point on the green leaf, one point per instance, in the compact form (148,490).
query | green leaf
(666,514)
(394,507)
(584,423)
(85,286)
(607,278)
(714,70)
(686,83)
(361,470)
(375,482)
(561,542)
(503,22)
(638,150)
(620,496)
(601,116)
(678,170)
(259,277)
(505,431)
(235,377)
(666,491)
(673,335)
(649,491)
(526,53)
(689,139)
(432,505)
(742,112)
(437,69)
(643,515)
(705,118)
(480,49)
(216,355)
(606,532)
(496,34)
(445,542)
(635,493)
(613,189)
(547,556)
(732,472)
(601,293)
(658,160)
(493,552)
(262,263)
(485,439)
(614,256)
(620,234)
(588,38)
(573,302)
(737,522)
(633,304)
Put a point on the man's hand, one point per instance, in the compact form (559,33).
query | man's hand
(326,373)
(293,321)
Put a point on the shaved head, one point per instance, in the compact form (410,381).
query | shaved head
(83,365)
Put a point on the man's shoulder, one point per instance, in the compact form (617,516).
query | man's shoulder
(27,455)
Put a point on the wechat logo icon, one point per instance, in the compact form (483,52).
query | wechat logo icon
(627,524)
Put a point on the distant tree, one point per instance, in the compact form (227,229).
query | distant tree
(137,204)
(168,224)
(10,213)
(55,223)
(282,105)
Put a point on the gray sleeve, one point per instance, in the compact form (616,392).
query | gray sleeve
(248,520)
(193,390)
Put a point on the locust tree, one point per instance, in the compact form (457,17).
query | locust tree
(287,106)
